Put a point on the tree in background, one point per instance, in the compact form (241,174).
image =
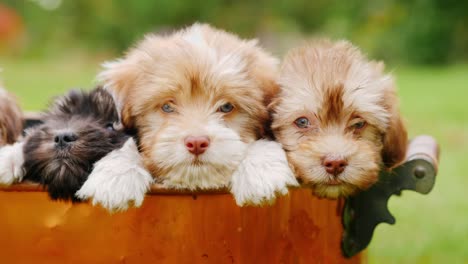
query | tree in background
(417,31)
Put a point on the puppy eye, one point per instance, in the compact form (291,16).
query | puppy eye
(302,122)
(110,126)
(167,108)
(359,125)
(226,108)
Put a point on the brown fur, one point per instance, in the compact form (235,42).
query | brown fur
(195,70)
(335,87)
(11,119)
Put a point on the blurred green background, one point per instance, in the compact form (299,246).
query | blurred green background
(49,46)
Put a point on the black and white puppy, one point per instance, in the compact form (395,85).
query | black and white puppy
(78,130)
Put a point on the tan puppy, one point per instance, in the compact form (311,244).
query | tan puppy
(11,118)
(197,98)
(337,117)
(198,101)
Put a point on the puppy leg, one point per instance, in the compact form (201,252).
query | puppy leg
(11,163)
(118,180)
(263,173)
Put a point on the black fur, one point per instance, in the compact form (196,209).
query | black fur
(77,131)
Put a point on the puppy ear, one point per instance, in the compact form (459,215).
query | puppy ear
(263,68)
(104,104)
(275,101)
(395,139)
(11,122)
(118,78)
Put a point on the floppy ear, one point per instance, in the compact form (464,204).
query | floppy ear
(12,122)
(395,139)
(103,104)
(275,101)
(263,68)
(118,78)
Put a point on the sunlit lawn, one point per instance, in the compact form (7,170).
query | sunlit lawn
(36,81)
(432,228)
(429,229)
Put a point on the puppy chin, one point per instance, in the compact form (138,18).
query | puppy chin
(179,169)
(63,179)
(334,191)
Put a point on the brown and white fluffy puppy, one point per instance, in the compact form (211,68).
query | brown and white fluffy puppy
(337,117)
(11,118)
(197,99)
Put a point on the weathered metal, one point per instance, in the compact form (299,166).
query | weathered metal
(363,212)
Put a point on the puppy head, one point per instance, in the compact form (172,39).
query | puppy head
(11,119)
(196,97)
(337,117)
(79,129)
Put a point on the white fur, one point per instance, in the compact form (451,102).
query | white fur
(118,180)
(262,174)
(11,163)
(221,159)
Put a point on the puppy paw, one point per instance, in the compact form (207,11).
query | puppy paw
(118,180)
(262,174)
(11,163)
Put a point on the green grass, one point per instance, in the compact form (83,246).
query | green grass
(35,82)
(432,228)
(429,229)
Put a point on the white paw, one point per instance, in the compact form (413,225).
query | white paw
(118,180)
(262,174)
(11,163)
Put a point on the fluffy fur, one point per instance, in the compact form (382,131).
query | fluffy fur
(11,163)
(11,119)
(118,180)
(172,87)
(262,174)
(351,115)
(79,129)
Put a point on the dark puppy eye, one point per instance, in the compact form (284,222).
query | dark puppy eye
(110,126)
(226,108)
(302,122)
(167,108)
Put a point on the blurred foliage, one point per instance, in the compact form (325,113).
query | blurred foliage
(415,31)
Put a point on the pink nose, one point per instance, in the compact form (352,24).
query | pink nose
(334,166)
(197,145)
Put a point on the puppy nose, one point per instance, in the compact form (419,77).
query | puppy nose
(65,139)
(334,166)
(197,145)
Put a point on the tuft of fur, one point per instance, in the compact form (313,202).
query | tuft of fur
(335,87)
(11,119)
(118,180)
(91,119)
(262,174)
(195,71)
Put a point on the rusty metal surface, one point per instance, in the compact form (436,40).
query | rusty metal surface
(176,228)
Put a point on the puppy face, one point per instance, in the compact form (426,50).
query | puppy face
(11,119)
(196,97)
(78,130)
(337,117)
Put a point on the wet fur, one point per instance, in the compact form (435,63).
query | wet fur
(92,117)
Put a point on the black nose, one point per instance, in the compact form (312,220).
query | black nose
(65,139)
